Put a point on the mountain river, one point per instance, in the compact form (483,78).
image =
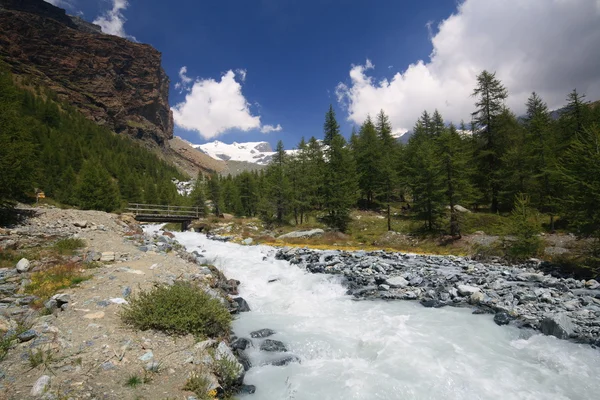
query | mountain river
(387,350)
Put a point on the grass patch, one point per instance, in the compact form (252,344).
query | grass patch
(40,357)
(10,258)
(200,384)
(44,284)
(179,309)
(133,381)
(68,246)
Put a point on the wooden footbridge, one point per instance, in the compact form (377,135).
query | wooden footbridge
(161,213)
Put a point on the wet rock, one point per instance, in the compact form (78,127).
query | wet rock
(272,345)
(40,386)
(240,344)
(243,359)
(383,287)
(247,389)
(23,265)
(262,333)
(242,304)
(284,361)
(432,303)
(559,325)
(502,318)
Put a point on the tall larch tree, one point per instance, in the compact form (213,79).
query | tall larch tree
(389,157)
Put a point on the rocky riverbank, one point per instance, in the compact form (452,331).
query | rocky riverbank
(75,345)
(519,295)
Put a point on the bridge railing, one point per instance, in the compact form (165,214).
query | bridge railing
(165,210)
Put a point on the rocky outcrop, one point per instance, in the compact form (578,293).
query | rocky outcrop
(112,81)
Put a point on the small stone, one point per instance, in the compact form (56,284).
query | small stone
(592,284)
(476,298)
(107,366)
(502,318)
(262,333)
(146,356)
(27,336)
(126,291)
(383,287)
(80,224)
(51,305)
(107,256)
(240,344)
(272,345)
(40,386)
(152,366)
(397,282)
(242,304)
(247,242)
(61,298)
(23,265)
(466,290)
(247,389)
(96,315)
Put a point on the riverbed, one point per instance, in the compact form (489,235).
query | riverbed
(387,349)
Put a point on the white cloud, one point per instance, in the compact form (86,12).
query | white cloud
(242,73)
(184,80)
(61,3)
(113,21)
(270,128)
(213,107)
(550,46)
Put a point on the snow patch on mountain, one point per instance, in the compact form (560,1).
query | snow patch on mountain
(253,152)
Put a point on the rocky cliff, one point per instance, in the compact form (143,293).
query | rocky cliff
(111,80)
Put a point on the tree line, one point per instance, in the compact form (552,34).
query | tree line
(546,161)
(49,146)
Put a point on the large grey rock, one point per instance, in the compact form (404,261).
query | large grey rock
(303,234)
(262,333)
(23,265)
(223,352)
(40,386)
(466,290)
(272,345)
(397,282)
(558,325)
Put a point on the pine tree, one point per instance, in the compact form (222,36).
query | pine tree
(315,170)
(277,196)
(247,188)
(541,147)
(331,128)
(388,160)
(368,161)
(198,195)
(490,94)
(215,194)
(456,165)
(339,190)
(96,190)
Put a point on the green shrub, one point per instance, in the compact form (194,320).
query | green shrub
(200,384)
(179,309)
(68,246)
(524,225)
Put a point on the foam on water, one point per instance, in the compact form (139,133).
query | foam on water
(388,350)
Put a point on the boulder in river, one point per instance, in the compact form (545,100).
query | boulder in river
(241,344)
(285,360)
(262,333)
(272,345)
(397,282)
(558,325)
(242,304)
(466,290)
(502,318)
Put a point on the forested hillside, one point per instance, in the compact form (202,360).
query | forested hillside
(49,146)
(534,168)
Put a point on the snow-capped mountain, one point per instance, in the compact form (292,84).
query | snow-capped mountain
(253,152)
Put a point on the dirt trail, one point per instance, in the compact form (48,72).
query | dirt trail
(91,353)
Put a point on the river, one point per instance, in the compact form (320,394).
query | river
(387,350)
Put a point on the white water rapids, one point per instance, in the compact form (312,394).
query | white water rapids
(387,350)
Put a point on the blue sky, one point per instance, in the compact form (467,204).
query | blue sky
(255,65)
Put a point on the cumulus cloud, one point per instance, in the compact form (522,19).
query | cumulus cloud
(270,128)
(213,107)
(550,46)
(113,20)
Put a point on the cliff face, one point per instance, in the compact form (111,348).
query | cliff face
(115,82)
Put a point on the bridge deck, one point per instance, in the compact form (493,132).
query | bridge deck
(162,213)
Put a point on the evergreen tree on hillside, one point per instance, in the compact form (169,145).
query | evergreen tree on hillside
(456,165)
(515,175)
(248,190)
(424,175)
(368,156)
(339,180)
(215,194)
(17,152)
(580,181)
(541,145)
(231,197)
(96,190)
(331,128)
(315,170)
(490,95)
(198,195)
(389,154)
(275,205)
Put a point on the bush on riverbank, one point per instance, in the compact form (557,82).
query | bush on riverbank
(180,309)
